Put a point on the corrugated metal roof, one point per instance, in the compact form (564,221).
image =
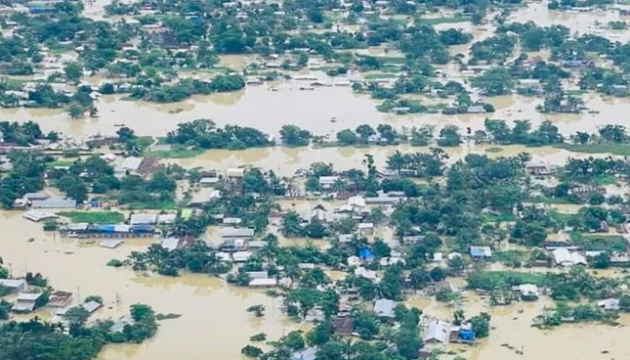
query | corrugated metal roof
(237,232)
(54,203)
(437,330)
(131,163)
(143,219)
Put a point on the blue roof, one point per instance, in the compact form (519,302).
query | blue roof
(142,228)
(466,334)
(103,228)
(366,254)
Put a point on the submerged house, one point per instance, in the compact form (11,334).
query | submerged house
(437,331)
(232,232)
(26,302)
(384,308)
(13,285)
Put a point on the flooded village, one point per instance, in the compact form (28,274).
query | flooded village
(314,180)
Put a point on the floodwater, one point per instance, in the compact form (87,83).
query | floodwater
(511,325)
(286,161)
(214,323)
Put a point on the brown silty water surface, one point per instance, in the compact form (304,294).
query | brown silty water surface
(214,323)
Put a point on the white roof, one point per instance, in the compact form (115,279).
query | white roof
(223,256)
(36,216)
(263,282)
(108,157)
(564,257)
(12,283)
(53,203)
(528,289)
(91,306)
(166,218)
(143,219)
(237,232)
(384,307)
(363,272)
(241,256)
(357,200)
(170,244)
(28,296)
(328,179)
(354,261)
(437,330)
(363,226)
(131,163)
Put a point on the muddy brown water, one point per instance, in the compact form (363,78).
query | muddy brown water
(214,323)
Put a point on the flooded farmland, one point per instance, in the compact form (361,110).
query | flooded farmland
(214,323)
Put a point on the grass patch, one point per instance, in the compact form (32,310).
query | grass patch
(379,76)
(158,205)
(59,163)
(94,217)
(593,242)
(491,280)
(498,217)
(143,141)
(548,200)
(510,257)
(397,60)
(177,153)
(447,20)
(612,149)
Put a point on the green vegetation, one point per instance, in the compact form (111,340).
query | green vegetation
(82,342)
(94,217)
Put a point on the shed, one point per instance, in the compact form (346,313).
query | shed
(268,282)
(143,219)
(235,172)
(609,304)
(241,256)
(563,257)
(166,218)
(25,302)
(366,228)
(14,285)
(480,252)
(131,163)
(38,216)
(36,196)
(356,201)
(257,244)
(384,308)
(60,299)
(437,331)
(54,203)
(232,232)
(91,306)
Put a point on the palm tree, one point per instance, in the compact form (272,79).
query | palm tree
(397,161)
(339,186)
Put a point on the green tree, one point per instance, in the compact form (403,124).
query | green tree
(73,71)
